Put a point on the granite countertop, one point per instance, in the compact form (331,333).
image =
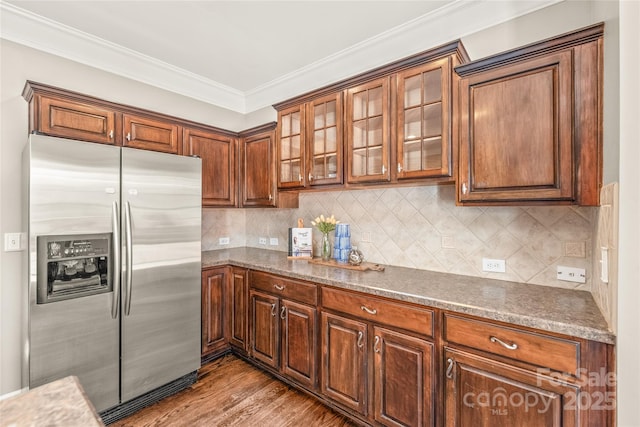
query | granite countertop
(58,403)
(546,308)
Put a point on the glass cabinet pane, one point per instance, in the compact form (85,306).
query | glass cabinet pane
(359,105)
(295,123)
(433,120)
(318,142)
(412,90)
(331,113)
(375,102)
(432,86)
(325,144)
(432,153)
(330,140)
(360,134)
(290,148)
(285,148)
(374,132)
(319,116)
(413,124)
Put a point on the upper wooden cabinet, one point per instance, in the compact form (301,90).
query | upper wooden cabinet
(152,134)
(219,170)
(310,143)
(65,114)
(425,120)
(531,123)
(69,119)
(367,127)
(258,187)
(394,123)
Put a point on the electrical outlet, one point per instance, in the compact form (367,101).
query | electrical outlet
(15,242)
(571,274)
(223,241)
(494,265)
(262,240)
(273,241)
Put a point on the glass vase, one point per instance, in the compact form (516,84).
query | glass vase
(325,247)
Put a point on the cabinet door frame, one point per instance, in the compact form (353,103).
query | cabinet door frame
(265,307)
(238,309)
(214,309)
(446,168)
(219,166)
(311,180)
(385,175)
(297,343)
(458,363)
(61,117)
(392,393)
(560,65)
(356,332)
(302,181)
(260,171)
(148,133)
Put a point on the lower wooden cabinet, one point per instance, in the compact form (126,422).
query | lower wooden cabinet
(344,361)
(284,333)
(388,378)
(214,310)
(482,392)
(238,309)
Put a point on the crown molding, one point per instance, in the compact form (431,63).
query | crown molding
(452,21)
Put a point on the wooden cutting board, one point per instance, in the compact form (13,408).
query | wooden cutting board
(333,263)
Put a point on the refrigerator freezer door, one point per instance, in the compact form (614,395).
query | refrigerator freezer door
(71,189)
(160,337)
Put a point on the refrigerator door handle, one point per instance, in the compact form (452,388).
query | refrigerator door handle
(115,303)
(129,259)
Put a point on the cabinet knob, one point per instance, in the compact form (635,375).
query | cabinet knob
(310,177)
(128,136)
(111,134)
(399,168)
(300,177)
(270,197)
(384,169)
(464,188)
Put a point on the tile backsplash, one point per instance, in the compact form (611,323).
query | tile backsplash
(421,227)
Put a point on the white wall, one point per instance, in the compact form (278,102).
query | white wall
(628,349)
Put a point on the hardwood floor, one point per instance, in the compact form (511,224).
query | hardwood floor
(230,392)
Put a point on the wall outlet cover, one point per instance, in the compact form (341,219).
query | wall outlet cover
(494,265)
(273,241)
(262,240)
(571,274)
(223,241)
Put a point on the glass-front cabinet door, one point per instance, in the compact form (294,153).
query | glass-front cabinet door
(325,140)
(291,168)
(424,135)
(367,123)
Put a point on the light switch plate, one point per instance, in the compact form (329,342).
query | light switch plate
(15,242)
(571,274)
(273,241)
(223,241)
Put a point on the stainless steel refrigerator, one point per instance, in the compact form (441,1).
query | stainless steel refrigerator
(113,267)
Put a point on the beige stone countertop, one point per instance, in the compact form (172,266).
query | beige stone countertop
(59,403)
(546,308)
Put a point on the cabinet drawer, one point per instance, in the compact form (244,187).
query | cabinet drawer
(287,288)
(551,352)
(380,311)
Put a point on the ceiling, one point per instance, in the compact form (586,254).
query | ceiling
(244,55)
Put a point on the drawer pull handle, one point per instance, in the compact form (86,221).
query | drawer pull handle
(513,346)
(368,310)
(279,287)
(360,337)
(450,364)
(283,313)
(273,310)
(376,344)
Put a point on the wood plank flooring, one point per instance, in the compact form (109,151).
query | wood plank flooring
(231,392)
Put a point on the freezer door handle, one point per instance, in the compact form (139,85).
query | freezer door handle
(129,259)
(115,272)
